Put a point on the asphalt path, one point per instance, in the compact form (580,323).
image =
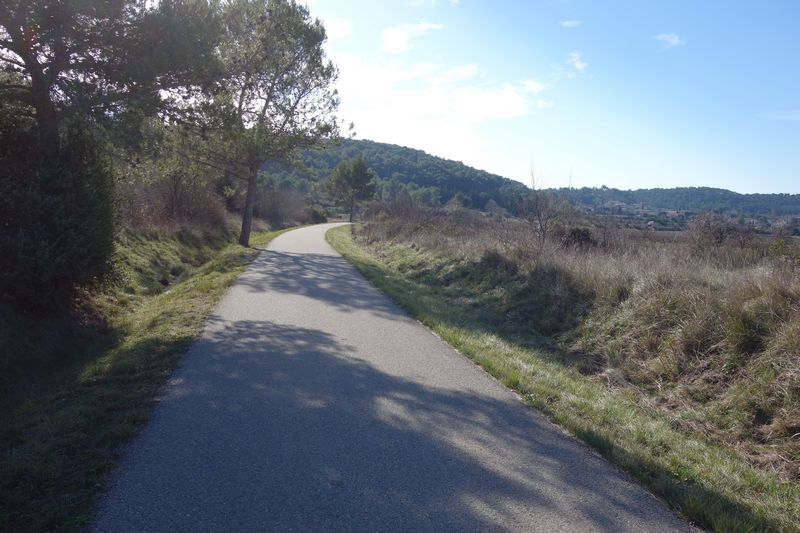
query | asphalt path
(312,402)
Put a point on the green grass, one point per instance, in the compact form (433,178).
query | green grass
(87,389)
(705,482)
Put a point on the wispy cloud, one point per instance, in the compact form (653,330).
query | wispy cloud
(570,23)
(786,116)
(533,86)
(456,74)
(337,28)
(576,61)
(670,40)
(397,39)
(442,108)
(429,3)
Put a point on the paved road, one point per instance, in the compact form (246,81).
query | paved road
(311,402)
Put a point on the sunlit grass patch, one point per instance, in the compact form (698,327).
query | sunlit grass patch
(704,481)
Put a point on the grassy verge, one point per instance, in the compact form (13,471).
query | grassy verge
(64,423)
(705,482)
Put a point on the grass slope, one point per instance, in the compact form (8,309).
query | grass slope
(70,410)
(706,483)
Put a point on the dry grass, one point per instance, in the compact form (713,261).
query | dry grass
(705,482)
(613,346)
(709,336)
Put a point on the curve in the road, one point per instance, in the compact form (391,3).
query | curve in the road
(312,402)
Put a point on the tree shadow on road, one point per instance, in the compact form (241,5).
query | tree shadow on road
(327,278)
(279,427)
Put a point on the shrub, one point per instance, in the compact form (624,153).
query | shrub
(494,262)
(713,229)
(280,207)
(318,215)
(578,238)
(58,223)
(158,181)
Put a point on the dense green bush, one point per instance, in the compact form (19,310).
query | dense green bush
(58,216)
(318,215)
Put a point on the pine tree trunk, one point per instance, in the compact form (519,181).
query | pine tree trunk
(352,210)
(47,122)
(47,119)
(249,200)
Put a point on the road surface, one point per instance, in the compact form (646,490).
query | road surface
(312,402)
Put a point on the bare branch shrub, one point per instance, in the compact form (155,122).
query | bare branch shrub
(281,207)
(713,229)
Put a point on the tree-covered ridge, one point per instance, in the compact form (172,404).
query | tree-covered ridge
(436,180)
(693,199)
(431,179)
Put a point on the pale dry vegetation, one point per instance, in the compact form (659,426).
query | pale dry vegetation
(703,325)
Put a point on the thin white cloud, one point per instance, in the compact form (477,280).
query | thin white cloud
(443,109)
(570,23)
(533,86)
(545,104)
(337,28)
(785,116)
(397,39)
(429,3)
(455,74)
(576,61)
(670,40)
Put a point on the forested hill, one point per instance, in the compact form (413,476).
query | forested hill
(431,179)
(436,181)
(688,199)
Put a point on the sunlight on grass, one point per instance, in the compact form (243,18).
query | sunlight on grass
(706,483)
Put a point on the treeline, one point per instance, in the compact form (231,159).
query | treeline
(436,181)
(694,199)
(126,112)
(429,179)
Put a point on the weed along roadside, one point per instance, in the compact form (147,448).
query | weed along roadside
(64,422)
(705,480)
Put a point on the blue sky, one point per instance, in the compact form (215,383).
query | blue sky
(625,94)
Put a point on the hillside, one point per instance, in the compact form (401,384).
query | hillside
(435,180)
(431,179)
(688,199)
